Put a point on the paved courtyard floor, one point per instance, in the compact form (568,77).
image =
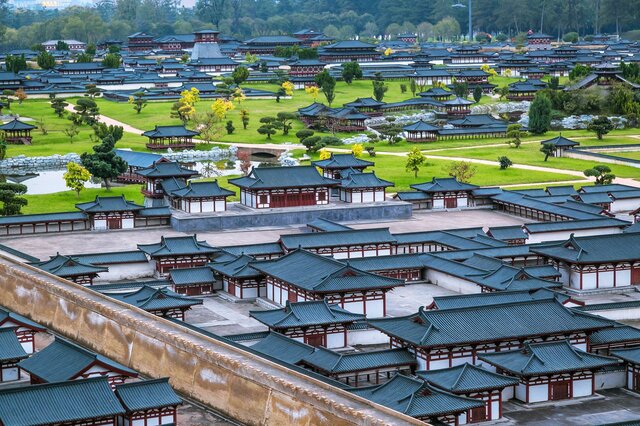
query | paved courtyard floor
(617,405)
(44,245)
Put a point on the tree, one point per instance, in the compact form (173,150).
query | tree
(10,201)
(269,126)
(7,96)
(350,71)
(312,91)
(463,171)
(313,143)
(602,174)
(111,60)
(503,91)
(413,87)
(138,102)
(303,134)
(357,150)
(477,94)
(245,161)
(61,45)
(102,131)
(75,177)
(244,117)
(286,118)
(20,95)
(600,126)
(403,88)
(221,107)
(238,95)
(90,49)
(45,60)
(84,58)
(91,90)
(579,71)
(390,132)
(505,163)
(87,109)
(379,89)
(240,75)
(103,163)
(71,132)
(15,63)
(415,160)
(547,149)
(327,84)
(324,154)
(514,132)
(211,11)
(460,89)
(182,111)
(540,114)
(229,127)
(288,87)
(554,83)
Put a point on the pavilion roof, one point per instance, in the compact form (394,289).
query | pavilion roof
(66,266)
(170,132)
(63,360)
(443,185)
(166,169)
(421,126)
(7,316)
(188,276)
(130,256)
(331,276)
(326,225)
(10,347)
(335,362)
(137,158)
(631,355)
(283,177)
(466,378)
(349,237)
(16,124)
(152,299)
(57,403)
(363,180)
(560,141)
(304,314)
(547,358)
(239,268)
(202,190)
(173,246)
(593,249)
(570,225)
(416,398)
(282,347)
(495,298)
(364,102)
(505,233)
(342,161)
(108,204)
(147,395)
(466,325)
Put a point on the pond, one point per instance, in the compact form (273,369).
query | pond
(51,181)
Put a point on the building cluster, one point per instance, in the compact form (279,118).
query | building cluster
(63,383)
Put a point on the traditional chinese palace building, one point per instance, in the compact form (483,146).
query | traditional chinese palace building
(110,212)
(174,137)
(333,166)
(70,268)
(158,301)
(178,252)
(17,132)
(154,175)
(11,352)
(23,327)
(446,193)
(200,197)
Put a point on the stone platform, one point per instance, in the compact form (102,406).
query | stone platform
(239,216)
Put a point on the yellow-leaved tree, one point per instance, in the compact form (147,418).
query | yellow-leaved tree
(288,88)
(324,154)
(388,51)
(75,177)
(220,108)
(313,91)
(357,149)
(190,97)
(238,95)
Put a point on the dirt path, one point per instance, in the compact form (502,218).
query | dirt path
(111,122)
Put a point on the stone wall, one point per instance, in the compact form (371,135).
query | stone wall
(241,385)
(249,218)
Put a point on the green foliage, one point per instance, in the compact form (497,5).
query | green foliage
(91,49)
(269,126)
(621,100)
(379,89)
(240,75)
(390,132)
(601,173)
(327,84)
(600,126)
(554,83)
(103,163)
(229,127)
(62,45)
(84,58)
(304,133)
(111,60)
(463,171)
(540,114)
(514,132)
(10,201)
(87,109)
(138,102)
(114,48)
(547,149)
(45,60)
(244,117)
(351,70)
(477,94)
(460,89)
(413,87)
(15,63)
(103,131)
(415,160)
(71,132)
(579,71)
(286,119)
(59,105)
(571,37)
(504,162)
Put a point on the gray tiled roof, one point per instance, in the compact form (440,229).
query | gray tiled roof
(10,347)
(187,276)
(495,298)
(163,170)
(443,185)
(303,314)
(65,266)
(153,299)
(617,334)
(349,237)
(283,177)
(108,204)
(282,347)
(466,378)
(63,360)
(491,322)
(202,190)
(631,355)
(569,225)
(334,362)
(342,161)
(239,268)
(131,256)
(147,395)
(588,250)
(326,225)
(173,246)
(546,358)
(58,403)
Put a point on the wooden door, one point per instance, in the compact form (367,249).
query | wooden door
(114,223)
(635,275)
(450,202)
(477,415)
(314,340)
(560,390)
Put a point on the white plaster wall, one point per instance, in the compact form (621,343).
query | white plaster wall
(463,202)
(126,271)
(438,204)
(220,206)
(521,392)
(335,340)
(605,279)
(625,205)
(100,224)
(379,195)
(619,314)
(495,410)
(375,308)
(439,364)
(538,393)
(366,337)
(540,237)
(610,379)
(581,388)
(581,346)
(508,393)
(128,223)
(10,374)
(450,282)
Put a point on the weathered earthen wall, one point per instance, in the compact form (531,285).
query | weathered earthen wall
(239,384)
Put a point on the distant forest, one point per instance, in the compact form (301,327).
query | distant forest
(430,19)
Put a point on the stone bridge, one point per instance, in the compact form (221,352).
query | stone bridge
(239,384)
(264,152)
